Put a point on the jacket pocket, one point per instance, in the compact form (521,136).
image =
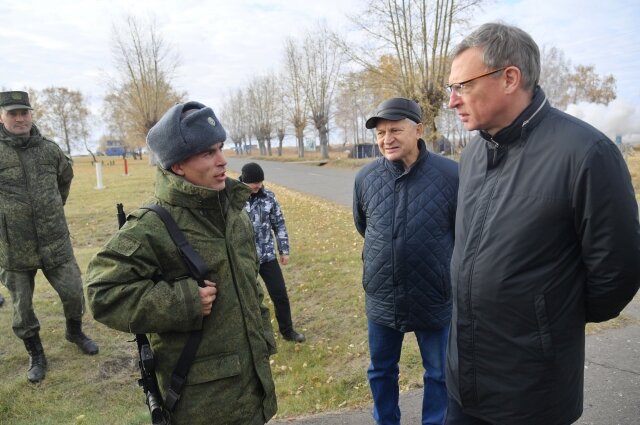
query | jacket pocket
(544,329)
(212,368)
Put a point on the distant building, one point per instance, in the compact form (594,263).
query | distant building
(365,151)
(114,148)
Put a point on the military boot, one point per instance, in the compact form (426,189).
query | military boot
(37,360)
(1,300)
(74,334)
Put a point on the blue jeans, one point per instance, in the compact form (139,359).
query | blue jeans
(385,345)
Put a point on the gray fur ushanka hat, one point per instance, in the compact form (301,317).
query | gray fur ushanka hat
(177,135)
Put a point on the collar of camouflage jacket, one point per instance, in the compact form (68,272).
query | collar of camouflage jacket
(175,190)
(20,141)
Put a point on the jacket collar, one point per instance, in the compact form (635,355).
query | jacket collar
(175,190)
(23,142)
(522,126)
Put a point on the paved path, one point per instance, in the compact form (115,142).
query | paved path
(332,184)
(612,365)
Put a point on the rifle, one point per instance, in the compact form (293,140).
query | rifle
(146,363)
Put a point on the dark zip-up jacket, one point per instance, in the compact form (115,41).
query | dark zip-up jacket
(407,219)
(138,283)
(547,239)
(35,178)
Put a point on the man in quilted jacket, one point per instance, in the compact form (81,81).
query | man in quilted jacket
(404,205)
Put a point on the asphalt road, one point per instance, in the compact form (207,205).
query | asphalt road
(612,364)
(334,185)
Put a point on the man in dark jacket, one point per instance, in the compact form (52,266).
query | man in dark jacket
(138,282)
(35,178)
(404,205)
(547,239)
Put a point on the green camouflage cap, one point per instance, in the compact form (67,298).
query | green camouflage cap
(10,100)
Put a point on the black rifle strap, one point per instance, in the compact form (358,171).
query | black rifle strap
(198,270)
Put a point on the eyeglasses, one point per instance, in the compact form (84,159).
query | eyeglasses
(458,88)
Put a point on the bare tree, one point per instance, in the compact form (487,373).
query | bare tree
(234,120)
(564,84)
(554,75)
(261,95)
(321,68)
(413,37)
(142,91)
(294,94)
(352,106)
(586,85)
(280,111)
(64,116)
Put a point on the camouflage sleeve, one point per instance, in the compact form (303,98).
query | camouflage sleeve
(279,229)
(65,175)
(125,289)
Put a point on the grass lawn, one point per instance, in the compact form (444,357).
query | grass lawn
(328,372)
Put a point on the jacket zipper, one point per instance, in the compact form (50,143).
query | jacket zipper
(494,145)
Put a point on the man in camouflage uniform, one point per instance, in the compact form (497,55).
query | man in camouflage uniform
(35,177)
(138,282)
(268,219)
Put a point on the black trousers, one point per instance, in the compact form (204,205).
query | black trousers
(271,274)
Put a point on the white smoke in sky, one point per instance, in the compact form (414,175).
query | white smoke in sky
(619,118)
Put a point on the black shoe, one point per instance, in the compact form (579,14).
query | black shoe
(1,300)
(293,336)
(37,360)
(74,334)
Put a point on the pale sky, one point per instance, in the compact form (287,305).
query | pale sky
(223,44)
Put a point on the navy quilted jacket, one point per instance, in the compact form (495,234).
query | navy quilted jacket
(407,219)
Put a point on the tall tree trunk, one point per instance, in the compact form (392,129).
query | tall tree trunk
(324,141)
(300,139)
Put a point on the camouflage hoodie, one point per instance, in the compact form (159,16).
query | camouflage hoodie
(138,283)
(267,218)
(35,177)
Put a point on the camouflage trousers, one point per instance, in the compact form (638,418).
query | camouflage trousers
(65,279)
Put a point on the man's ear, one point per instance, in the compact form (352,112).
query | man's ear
(177,169)
(512,79)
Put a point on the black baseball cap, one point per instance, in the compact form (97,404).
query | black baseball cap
(396,109)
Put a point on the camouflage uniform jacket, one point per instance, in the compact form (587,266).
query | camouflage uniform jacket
(138,283)
(35,177)
(267,217)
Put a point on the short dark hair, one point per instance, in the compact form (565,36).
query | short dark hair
(505,45)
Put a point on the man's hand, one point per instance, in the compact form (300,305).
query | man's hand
(284,260)
(207,296)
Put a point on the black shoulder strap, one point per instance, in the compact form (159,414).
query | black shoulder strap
(198,270)
(192,259)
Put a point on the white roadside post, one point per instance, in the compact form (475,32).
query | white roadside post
(99,175)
